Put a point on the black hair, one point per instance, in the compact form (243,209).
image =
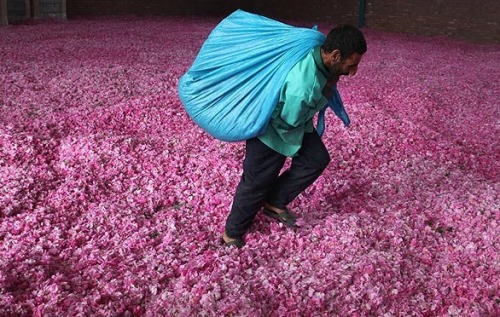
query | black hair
(347,39)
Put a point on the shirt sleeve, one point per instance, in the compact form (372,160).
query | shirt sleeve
(296,111)
(292,121)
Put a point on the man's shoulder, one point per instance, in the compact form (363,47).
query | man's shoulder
(303,77)
(307,62)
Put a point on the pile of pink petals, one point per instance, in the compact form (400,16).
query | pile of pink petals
(112,202)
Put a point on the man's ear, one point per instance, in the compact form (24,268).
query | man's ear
(335,56)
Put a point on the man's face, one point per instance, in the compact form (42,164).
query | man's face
(348,66)
(341,67)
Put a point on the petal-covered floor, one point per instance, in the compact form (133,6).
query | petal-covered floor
(112,202)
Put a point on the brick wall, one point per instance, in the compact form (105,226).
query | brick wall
(463,19)
(324,11)
(52,8)
(152,7)
(19,10)
(339,11)
(476,21)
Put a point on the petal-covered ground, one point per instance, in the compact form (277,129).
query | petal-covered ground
(112,202)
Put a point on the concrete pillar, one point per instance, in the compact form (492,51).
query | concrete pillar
(27,8)
(3,13)
(63,10)
(36,8)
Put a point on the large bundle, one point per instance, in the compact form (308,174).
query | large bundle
(233,86)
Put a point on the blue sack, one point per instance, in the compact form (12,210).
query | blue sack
(234,83)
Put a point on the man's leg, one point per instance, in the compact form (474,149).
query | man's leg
(306,167)
(261,168)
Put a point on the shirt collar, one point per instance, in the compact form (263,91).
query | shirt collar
(319,62)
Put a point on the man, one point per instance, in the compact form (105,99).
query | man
(291,133)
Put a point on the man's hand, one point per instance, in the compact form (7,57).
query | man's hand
(328,90)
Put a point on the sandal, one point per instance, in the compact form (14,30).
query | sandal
(235,241)
(285,217)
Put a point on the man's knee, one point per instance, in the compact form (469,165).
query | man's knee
(314,152)
(323,159)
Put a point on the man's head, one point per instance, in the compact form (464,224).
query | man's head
(342,50)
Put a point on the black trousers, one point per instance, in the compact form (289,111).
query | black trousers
(261,182)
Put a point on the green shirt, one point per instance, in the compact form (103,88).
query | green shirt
(300,99)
